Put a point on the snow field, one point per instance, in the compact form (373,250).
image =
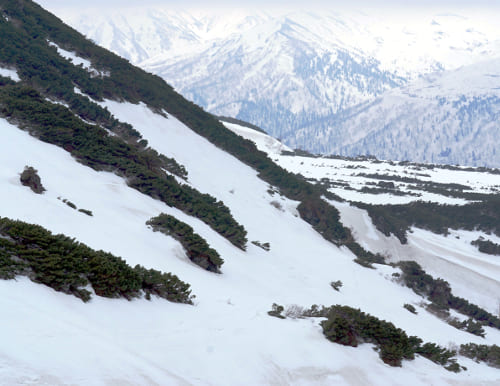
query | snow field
(227,338)
(347,171)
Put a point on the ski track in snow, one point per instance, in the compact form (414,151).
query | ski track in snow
(226,338)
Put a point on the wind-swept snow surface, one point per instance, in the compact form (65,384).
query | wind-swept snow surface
(227,337)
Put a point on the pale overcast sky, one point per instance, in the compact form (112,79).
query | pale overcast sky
(262,4)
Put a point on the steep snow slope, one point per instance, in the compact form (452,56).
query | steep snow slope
(290,71)
(226,338)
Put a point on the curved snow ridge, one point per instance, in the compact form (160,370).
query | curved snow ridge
(264,142)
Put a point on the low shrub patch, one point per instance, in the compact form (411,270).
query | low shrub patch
(68,266)
(198,250)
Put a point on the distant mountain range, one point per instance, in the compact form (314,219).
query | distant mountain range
(450,117)
(305,77)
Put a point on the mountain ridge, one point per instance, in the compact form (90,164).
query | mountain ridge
(450,116)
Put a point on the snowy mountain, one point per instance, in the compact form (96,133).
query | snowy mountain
(450,117)
(95,292)
(298,74)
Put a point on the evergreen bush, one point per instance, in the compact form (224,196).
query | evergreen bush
(265,246)
(487,246)
(198,250)
(68,266)
(348,326)
(410,308)
(482,353)
(438,291)
(276,311)
(336,285)
(29,177)
(86,211)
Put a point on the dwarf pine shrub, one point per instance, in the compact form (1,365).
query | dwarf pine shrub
(29,177)
(482,353)
(350,327)
(198,250)
(438,291)
(68,266)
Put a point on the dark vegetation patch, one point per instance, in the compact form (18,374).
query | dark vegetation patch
(439,355)
(487,246)
(480,169)
(430,166)
(393,191)
(365,258)
(444,189)
(73,206)
(70,267)
(469,325)
(198,250)
(265,246)
(276,311)
(397,219)
(86,211)
(389,177)
(332,183)
(410,308)
(305,153)
(482,353)
(70,204)
(29,177)
(438,291)
(350,327)
(336,285)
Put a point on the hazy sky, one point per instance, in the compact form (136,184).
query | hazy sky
(262,4)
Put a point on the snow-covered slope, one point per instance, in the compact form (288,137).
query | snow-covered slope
(288,71)
(227,336)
